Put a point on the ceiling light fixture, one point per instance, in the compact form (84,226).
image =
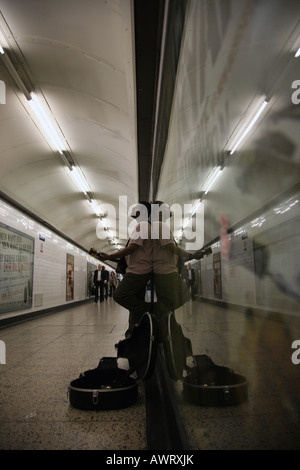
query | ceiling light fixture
(47,127)
(95,207)
(249,127)
(43,117)
(79,180)
(196,206)
(297,53)
(46,123)
(212,179)
(14,74)
(179,236)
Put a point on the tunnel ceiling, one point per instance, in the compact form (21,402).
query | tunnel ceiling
(94,66)
(138,130)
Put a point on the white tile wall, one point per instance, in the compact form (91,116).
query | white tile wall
(49,277)
(278,290)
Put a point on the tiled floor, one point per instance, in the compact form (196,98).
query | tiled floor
(258,348)
(42,357)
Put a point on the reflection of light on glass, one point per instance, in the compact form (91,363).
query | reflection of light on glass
(238,232)
(216,245)
(196,207)
(213,178)
(178,236)
(249,127)
(186,223)
(258,222)
(285,207)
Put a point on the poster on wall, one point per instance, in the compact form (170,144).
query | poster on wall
(217,275)
(90,279)
(16,269)
(70,277)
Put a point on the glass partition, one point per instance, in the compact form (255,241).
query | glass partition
(233,149)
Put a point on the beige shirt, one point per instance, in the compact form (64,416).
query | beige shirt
(164,261)
(140,261)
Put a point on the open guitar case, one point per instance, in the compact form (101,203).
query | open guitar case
(204,383)
(113,384)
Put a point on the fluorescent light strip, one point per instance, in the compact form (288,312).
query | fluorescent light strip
(95,207)
(79,180)
(179,236)
(184,226)
(297,53)
(47,126)
(194,210)
(46,123)
(249,127)
(213,178)
(196,206)
(43,118)
(11,69)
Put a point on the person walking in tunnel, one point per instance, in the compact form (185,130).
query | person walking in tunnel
(188,275)
(104,286)
(97,282)
(100,282)
(130,293)
(112,283)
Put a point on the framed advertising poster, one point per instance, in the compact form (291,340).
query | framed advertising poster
(90,279)
(16,269)
(70,277)
(217,275)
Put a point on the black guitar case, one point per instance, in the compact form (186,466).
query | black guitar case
(204,383)
(111,386)
(141,347)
